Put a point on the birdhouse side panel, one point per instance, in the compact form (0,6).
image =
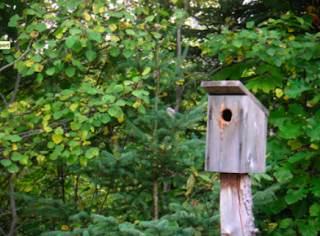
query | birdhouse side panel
(254,152)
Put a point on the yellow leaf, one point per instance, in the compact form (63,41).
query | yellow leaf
(114,137)
(290,30)
(142,26)
(69,56)
(229,59)
(146,71)
(100,29)
(86,143)
(273,225)
(57,138)
(46,107)
(92,129)
(47,117)
(136,104)
(166,73)
(102,9)
(205,51)
(83,134)
(86,16)
(64,227)
(165,94)
(291,38)
(47,129)
(279,92)
(38,68)
(112,27)
(106,131)
(286,97)
(5,153)
(121,118)
(29,63)
(34,34)
(114,38)
(74,106)
(11,110)
(40,159)
(59,36)
(73,126)
(314,146)
(14,147)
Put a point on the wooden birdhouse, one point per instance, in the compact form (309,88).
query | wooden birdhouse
(236,129)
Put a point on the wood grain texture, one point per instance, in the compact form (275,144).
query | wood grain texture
(237,146)
(236,215)
(233,87)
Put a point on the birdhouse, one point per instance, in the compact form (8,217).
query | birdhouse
(236,129)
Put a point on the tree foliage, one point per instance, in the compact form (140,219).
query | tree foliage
(89,144)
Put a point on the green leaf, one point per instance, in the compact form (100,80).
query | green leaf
(109,98)
(149,18)
(237,42)
(70,71)
(128,53)
(204,177)
(13,168)
(142,109)
(297,87)
(91,55)
(15,138)
(70,41)
(315,210)
(283,175)
(114,51)
(285,223)
(83,161)
(294,195)
(137,93)
(50,71)
(38,45)
(105,118)
(112,111)
(130,32)
(16,156)
(300,156)
(50,145)
(5,113)
(250,24)
(5,162)
(92,152)
(41,27)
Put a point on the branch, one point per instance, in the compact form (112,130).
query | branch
(4,100)
(21,56)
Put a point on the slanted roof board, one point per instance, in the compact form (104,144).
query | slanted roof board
(232,87)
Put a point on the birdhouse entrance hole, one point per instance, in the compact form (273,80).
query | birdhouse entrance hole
(226,115)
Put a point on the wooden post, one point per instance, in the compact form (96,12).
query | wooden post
(236,205)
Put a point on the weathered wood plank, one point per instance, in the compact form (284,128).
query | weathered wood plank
(238,145)
(236,205)
(231,87)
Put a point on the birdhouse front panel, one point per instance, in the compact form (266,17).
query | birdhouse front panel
(236,135)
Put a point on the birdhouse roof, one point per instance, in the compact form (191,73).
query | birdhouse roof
(232,87)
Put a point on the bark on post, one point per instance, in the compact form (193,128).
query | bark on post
(236,205)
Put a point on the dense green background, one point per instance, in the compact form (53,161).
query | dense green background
(86,143)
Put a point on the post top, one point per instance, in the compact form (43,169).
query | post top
(231,87)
